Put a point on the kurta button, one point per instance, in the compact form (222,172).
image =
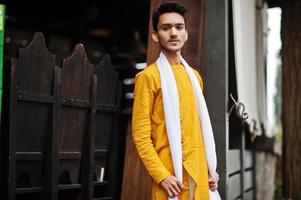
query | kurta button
(183,158)
(182,141)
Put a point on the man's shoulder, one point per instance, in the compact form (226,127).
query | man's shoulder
(150,71)
(195,71)
(198,76)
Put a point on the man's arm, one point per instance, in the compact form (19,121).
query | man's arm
(141,128)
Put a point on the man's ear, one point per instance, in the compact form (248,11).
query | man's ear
(186,38)
(155,36)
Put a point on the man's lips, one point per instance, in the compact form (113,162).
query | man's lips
(173,41)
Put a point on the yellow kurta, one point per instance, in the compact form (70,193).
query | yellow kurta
(150,137)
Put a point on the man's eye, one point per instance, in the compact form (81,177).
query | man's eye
(165,28)
(180,27)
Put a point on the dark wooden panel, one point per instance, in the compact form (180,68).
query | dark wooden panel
(53,126)
(31,112)
(107,81)
(104,127)
(32,126)
(234,186)
(106,135)
(75,90)
(75,131)
(34,72)
(76,77)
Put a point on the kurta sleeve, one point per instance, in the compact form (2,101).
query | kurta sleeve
(141,128)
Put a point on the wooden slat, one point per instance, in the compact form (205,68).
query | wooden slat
(103,198)
(106,108)
(249,195)
(234,186)
(96,183)
(87,173)
(234,161)
(52,175)
(41,98)
(29,190)
(12,138)
(116,140)
(69,187)
(29,156)
(101,153)
(248,159)
(248,179)
(76,102)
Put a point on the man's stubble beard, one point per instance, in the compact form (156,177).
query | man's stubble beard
(170,50)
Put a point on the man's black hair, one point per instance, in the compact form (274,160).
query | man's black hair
(167,7)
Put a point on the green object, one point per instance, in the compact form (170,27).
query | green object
(2,28)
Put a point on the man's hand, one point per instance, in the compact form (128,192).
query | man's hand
(213,183)
(172,186)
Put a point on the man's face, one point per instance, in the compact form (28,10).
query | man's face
(172,33)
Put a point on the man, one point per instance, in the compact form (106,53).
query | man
(168,128)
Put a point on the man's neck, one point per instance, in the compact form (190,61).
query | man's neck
(173,57)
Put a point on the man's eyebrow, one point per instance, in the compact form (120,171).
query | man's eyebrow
(169,24)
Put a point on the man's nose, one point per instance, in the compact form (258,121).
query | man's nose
(173,32)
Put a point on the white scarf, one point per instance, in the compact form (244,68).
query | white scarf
(172,119)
